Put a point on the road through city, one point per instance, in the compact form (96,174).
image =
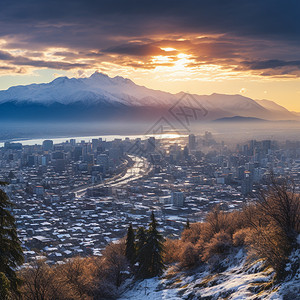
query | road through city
(140,168)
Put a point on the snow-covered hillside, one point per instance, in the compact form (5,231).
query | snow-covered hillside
(241,280)
(95,88)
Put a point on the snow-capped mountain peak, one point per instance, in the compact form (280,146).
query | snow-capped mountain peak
(100,88)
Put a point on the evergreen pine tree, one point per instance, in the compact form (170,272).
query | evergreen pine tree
(140,253)
(11,254)
(130,246)
(153,252)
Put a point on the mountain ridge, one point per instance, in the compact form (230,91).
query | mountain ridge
(240,119)
(118,93)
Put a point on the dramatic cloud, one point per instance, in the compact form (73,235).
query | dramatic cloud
(136,50)
(270,64)
(5,55)
(255,36)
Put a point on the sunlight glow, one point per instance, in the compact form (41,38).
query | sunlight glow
(168,135)
(168,49)
(161,59)
(183,55)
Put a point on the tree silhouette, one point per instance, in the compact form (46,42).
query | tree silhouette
(11,254)
(153,251)
(140,247)
(130,252)
(187,225)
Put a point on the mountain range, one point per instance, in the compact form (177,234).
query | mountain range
(101,97)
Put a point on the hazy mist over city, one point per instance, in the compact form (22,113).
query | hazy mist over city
(231,132)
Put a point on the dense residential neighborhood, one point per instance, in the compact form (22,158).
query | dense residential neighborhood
(75,197)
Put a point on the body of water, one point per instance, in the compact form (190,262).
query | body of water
(30,142)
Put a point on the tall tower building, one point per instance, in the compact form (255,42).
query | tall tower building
(192,142)
(151,144)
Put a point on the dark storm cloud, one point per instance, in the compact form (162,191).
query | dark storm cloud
(22,61)
(99,20)
(272,67)
(135,49)
(270,64)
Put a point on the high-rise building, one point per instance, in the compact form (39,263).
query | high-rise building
(44,160)
(266,146)
(240,172)
(47,145)
(151,144)
(13,146)
(95,144)
(77,153)
(192,142)
(58,155)
(59,165)
(31,160)
(247,183)
(103,161)
(177,199)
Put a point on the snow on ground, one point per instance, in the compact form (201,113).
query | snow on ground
(149,289)
(290,288)
(240,280)
(234,284)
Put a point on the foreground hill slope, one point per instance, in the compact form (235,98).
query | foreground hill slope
(240,279)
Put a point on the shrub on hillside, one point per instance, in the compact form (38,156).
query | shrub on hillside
(172,250)
(270,243)
(189,256)
(193,233)
(216,221)
(79,278)
(240,236)
(220,244)
(236,221)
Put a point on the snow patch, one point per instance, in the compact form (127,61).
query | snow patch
(241,280)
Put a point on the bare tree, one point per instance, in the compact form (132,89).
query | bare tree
(114,262)
(280,205)
(275,221)
(79,275)
(39,282)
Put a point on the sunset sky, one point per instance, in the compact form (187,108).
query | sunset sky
(248,47)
